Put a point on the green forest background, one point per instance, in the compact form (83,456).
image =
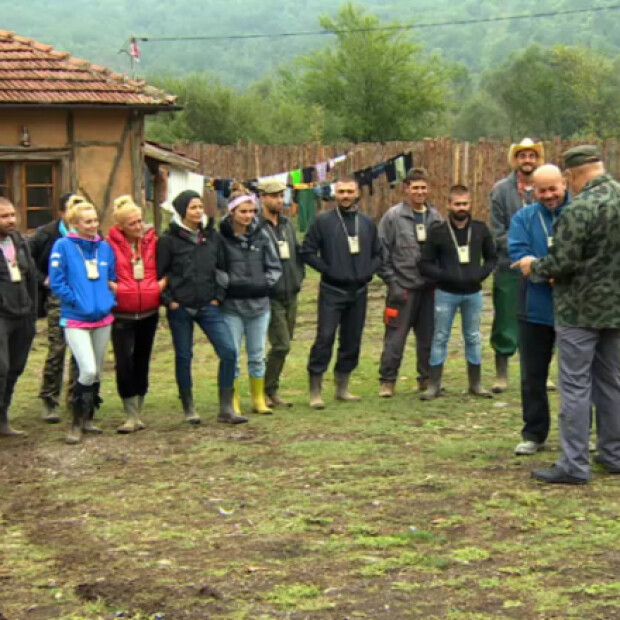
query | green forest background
(542,76)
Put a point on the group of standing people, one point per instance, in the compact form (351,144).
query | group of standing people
(240,284)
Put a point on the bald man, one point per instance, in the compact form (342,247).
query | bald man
(531,234)
(584,263)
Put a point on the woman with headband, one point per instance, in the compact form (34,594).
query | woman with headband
(82,276)
(253,269)
(190,257)
(137,307)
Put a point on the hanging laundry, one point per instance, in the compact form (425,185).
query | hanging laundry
(364,179)
(399,163)
(306,208)
(321,171)
(296,176)
(378,170)
(408,161)
(288,196)
(307,174)
(336,160)
(222,185)
(180,180)
(390,171)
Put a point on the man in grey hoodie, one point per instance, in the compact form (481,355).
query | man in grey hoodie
(507,197)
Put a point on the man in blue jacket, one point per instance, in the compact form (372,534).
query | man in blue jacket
(531,234)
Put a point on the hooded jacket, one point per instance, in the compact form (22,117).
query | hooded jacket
(293,271)
(253,269)
(135,296)
(82,299)
(18,299)
(193,264)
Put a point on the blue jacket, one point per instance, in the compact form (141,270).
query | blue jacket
(82,299)
(527,237)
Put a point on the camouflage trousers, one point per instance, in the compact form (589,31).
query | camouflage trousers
(55,362)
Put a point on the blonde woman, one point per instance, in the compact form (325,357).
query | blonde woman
(137,306)
(82,276)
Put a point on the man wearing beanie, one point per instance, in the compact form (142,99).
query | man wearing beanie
(283,296)
(507,197)
(584,264)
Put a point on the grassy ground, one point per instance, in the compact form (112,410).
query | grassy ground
(383,509)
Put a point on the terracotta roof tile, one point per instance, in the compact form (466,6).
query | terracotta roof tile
(33,72)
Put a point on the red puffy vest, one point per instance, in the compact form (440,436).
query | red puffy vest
(135,296)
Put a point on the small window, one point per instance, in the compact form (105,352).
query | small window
(39,192)
(5,188)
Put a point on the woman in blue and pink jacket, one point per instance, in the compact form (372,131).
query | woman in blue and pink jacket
(82,276)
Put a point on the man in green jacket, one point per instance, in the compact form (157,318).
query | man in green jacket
(584,265)
(283,298)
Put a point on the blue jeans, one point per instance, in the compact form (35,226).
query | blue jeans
(255,330)
(211,320)
(446,305)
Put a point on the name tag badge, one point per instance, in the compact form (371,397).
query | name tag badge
(14,273)
(138,269)
(463,254)
(420,232)
(92,270)
(354,245)
(549,242)
(283,248)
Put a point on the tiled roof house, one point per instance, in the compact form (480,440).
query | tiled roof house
(68,125)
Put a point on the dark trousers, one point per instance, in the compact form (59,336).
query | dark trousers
(133,343)
(15,339)
(55,361)
(536,343)
(280,334)
(211,321)
(417,315)
(344,309)
(505,329)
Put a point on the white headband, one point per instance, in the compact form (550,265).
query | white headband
(233,204)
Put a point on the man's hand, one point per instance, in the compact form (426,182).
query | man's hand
(525,265)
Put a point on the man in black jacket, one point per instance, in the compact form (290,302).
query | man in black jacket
(344,247)
(40,247)
(283,302)
(458,255)
(18,309)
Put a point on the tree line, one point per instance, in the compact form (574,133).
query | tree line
(378,85)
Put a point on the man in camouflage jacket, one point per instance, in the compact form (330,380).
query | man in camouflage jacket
(584,264)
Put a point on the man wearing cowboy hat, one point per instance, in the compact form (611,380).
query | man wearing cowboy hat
(283,296)
(584,263)
(507,197)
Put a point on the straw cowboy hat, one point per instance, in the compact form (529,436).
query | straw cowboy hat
(527,144)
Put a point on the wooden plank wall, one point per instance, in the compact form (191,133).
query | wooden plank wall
(477,165)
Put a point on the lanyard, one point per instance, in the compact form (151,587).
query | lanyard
(346,232)
(424,213)
(136,250)
(542,223)
(271,229)
(82,253)
(456,244)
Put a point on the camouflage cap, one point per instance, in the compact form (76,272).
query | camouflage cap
(271,186)
(581,155)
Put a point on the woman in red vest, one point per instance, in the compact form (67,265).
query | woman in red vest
(137,306)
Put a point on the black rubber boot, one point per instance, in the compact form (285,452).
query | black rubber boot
(88,410)
(475,387)
(501,371)
(187,398)
(227,413)
(77,409)
(434,383)
(341,379)
(97,400)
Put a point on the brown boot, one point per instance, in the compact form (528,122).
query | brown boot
(316,401)
(341,380)
(475,388)
(422,385)
(501,371)
(5,428)
(386,389)
(274,400)
(131,406)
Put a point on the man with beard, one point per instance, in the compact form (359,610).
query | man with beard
(584,263)
(458,256)
(507,197)
(344,247)
(409,304)
(531,234)
(283,297)
(18,309)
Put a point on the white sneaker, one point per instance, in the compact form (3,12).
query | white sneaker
(527,448)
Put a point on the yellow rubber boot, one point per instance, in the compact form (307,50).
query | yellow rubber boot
(257,387)
(236,401)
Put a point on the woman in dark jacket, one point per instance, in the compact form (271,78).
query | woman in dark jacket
(253,269)
(190,257)
(137,307)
